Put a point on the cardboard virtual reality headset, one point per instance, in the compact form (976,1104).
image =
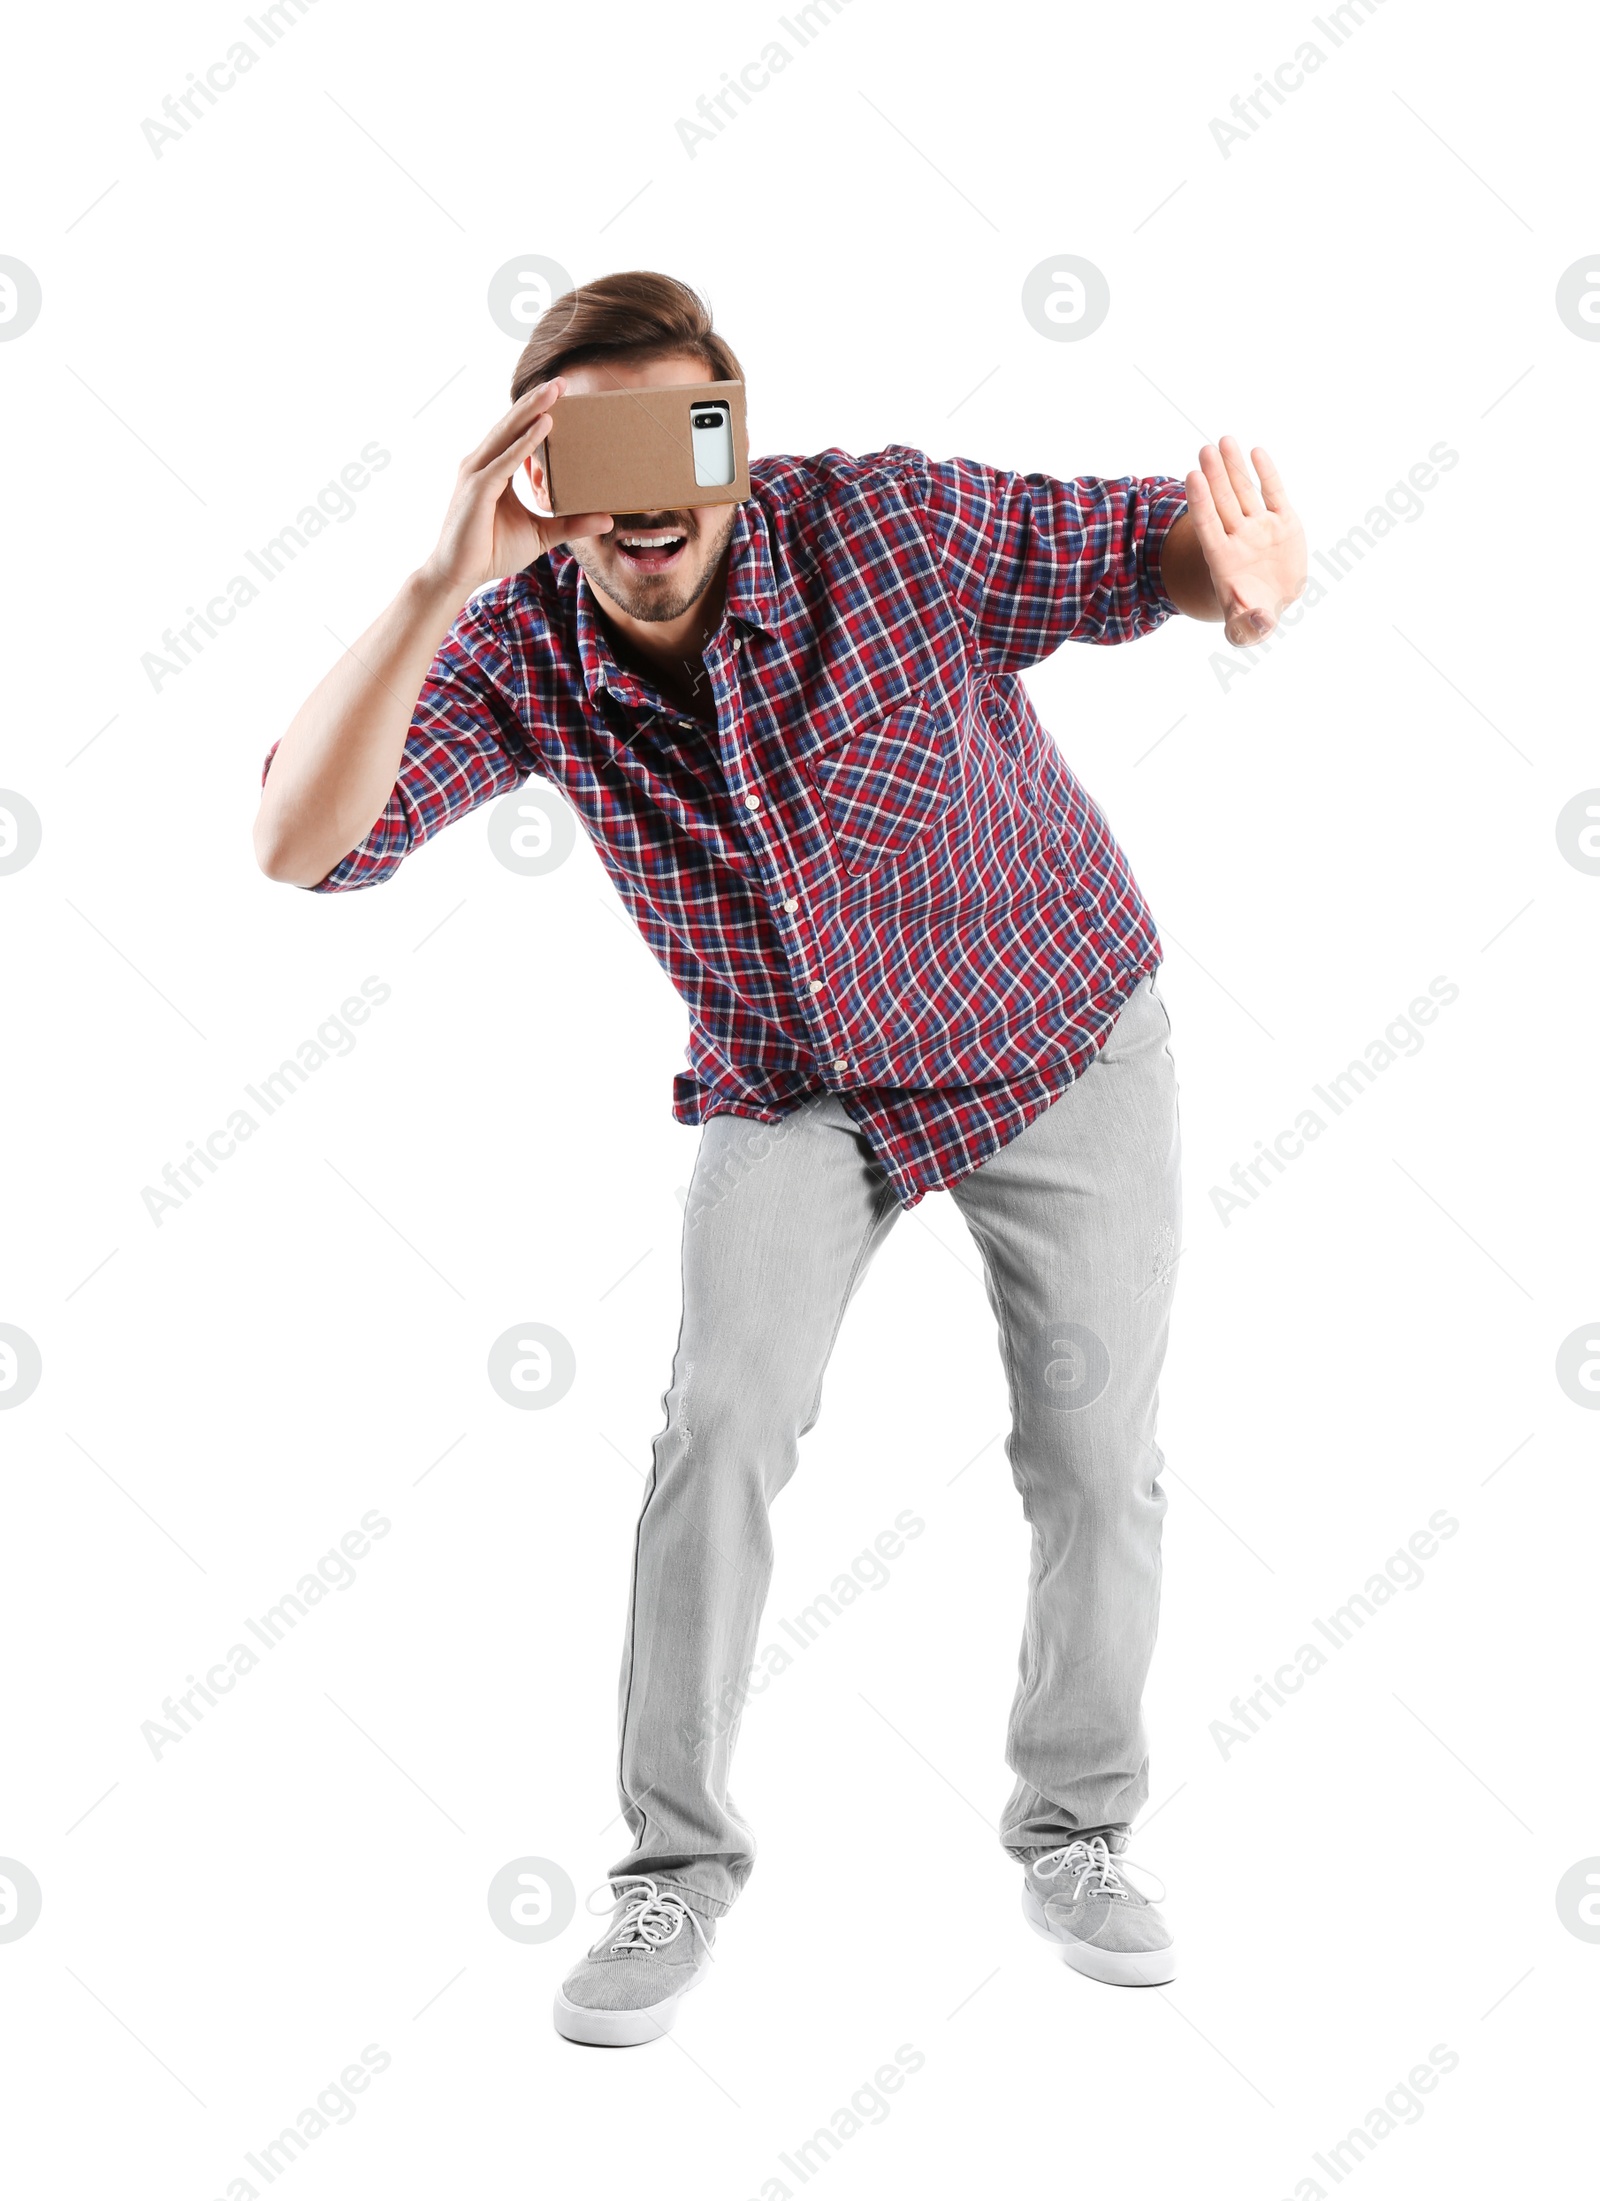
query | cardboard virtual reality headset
(642,450)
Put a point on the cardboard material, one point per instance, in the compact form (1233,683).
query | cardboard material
(631,450)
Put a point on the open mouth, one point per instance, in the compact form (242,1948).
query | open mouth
(649,550)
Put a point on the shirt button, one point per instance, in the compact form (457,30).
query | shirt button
(841,1063)
(752,802)
(790,904)
(816,985)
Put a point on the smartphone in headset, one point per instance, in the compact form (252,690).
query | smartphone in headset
(711,435)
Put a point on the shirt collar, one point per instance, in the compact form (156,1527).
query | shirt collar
(753,589)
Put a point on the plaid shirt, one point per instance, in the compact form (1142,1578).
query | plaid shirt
(876,876)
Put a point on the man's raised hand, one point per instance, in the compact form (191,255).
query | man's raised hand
(487,531)
(1253,543)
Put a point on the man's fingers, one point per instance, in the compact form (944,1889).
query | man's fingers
(1250,612)
(510,427)
(1244,621)
(1244,630)
(1239,475)
(1271,481)
(506,462)
(1203,512)
(576,524)
(1222,492)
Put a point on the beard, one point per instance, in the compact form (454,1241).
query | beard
(646,600)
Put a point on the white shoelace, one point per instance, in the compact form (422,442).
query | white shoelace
(1094,1870)
(649,1917)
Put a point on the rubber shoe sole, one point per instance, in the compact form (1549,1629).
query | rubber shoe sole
(1112,1967)
(619,2028)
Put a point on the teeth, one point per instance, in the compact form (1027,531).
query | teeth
(649,542)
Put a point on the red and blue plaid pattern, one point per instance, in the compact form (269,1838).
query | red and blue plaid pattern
(876,876)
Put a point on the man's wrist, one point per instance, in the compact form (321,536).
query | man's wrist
(430,596)
(1183,573)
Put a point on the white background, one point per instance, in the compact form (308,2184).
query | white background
(1371,806)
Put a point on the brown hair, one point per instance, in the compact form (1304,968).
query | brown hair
(623,316)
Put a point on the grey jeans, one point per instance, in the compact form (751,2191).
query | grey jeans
(1077,1223)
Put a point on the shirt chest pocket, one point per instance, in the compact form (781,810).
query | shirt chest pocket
(886,782)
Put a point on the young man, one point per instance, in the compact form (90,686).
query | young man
(913,957)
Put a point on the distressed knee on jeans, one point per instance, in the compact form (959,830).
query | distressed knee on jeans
(722,1427)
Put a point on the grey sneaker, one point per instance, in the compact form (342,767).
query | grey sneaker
(1079,1898)
(627,1989)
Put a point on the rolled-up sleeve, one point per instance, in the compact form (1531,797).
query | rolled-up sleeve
(1034,562)
(467,744)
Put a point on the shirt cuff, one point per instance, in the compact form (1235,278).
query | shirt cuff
(1168,503)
